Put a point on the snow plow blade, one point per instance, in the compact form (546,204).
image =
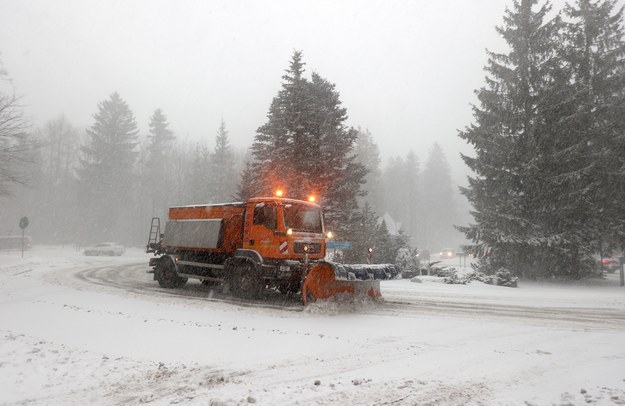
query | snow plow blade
(328,280)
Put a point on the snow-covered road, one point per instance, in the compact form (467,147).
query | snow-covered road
(98,330)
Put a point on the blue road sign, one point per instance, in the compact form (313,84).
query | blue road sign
(339,245)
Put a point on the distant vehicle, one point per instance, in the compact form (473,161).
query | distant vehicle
(447,253)
(105,248)
(609,265)
(14,242)
(423,255)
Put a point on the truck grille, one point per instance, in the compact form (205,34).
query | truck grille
(313,247)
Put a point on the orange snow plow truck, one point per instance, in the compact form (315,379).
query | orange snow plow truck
(264,243)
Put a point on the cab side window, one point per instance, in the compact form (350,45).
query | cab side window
(266,216)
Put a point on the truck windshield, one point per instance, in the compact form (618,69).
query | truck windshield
(301,217)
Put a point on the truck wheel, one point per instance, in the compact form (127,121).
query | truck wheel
(166,276)
(291,285)
(244,279)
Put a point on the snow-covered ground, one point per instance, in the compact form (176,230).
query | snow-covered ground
(78,330)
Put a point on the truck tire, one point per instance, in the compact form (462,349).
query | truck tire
(243,278)
(291,285)
(165,274)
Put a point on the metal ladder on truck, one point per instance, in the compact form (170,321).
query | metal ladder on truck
(155,235)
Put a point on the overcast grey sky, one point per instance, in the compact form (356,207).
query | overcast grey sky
(406,70)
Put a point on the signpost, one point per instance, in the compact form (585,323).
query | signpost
(621,260)
(23,225)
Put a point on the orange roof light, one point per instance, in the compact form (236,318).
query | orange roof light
(279,193)
(311,198)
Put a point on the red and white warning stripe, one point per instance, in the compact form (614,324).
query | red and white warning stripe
(284,248)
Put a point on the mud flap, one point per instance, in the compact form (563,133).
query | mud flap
(328,280)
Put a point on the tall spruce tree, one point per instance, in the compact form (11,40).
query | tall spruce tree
(514,143)
(394,193)
(438,201)
(595,56)
(246,188)
(106,173)
(401,197)
(368,154)
(157,177)
(368,231)
(305,146)
(414,200)
(363,231)
(223,174)
(384,250)
(200,179)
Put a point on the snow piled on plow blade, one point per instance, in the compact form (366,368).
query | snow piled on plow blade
(344,282)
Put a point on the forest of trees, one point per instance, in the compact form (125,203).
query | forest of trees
(107,181)
(548,165)
(549,139)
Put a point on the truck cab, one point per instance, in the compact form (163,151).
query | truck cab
(280,228)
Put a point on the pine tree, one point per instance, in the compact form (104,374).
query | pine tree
(246,187)
(411,223)
(157,177)
(363,231)
(438,201)
(401,194)
(223,175)
(271,148)
(393,189)
(182,172)
(368,231)
(385,251)
(595,55)
(368,155)
(514,123)
(305,147)
(201,192)
(106,172)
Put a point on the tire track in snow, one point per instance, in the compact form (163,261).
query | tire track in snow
(565,316)
(131,278)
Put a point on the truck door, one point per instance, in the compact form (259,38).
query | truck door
(260,230)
